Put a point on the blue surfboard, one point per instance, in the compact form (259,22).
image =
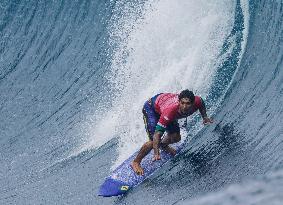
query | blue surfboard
(123,178)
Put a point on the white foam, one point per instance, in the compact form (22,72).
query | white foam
(173,46)
(246,13)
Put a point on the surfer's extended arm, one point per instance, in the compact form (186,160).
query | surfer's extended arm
(202,110)
(156,144)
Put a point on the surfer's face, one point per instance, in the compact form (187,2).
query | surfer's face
(185,104)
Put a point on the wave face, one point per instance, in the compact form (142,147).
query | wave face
(74,76)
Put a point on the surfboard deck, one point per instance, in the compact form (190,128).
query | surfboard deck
(123,178)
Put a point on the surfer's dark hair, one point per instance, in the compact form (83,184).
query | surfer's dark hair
(187,94)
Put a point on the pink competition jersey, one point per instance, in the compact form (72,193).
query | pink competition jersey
(167,105)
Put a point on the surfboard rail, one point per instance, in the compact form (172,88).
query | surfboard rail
(123,178)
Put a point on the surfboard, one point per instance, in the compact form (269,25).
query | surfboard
(123,178)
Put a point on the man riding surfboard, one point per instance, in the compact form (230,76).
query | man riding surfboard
(160,114)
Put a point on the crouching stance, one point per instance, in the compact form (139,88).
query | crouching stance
(160,114)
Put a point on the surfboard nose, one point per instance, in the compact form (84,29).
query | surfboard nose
(112,187)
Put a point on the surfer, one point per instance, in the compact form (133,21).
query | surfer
(160,114)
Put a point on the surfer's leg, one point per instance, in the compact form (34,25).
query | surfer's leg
(170,139)
(136,164)
(173,136)
(145,149)
(150,121)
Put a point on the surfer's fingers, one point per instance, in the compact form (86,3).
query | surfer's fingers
(140,172)
(155,158)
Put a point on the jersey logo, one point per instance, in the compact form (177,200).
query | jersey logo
(161,125)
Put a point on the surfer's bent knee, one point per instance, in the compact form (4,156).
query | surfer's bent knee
(176,137)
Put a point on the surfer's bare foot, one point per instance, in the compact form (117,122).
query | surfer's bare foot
(137,168)
(169,150)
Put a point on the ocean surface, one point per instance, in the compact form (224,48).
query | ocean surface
(74,76)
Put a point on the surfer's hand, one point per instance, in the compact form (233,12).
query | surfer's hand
(156,157)
(207,121)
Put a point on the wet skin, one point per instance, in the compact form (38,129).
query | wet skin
(184,106)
